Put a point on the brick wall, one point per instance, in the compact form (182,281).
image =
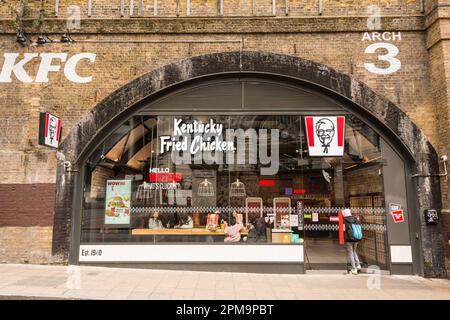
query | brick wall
(438,42)
(27,205)
(98,181)
(26,223)
(363,181)
(119,63)
(27,245)
(170,8)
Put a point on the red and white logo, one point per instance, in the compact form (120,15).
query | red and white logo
(325,136)
(398,216)
(50,130)
(397,212)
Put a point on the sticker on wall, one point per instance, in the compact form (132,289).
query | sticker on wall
(431,216)
(49,130)
(293,220)
(325,136)
(397,212)
(117,202)
(315,217)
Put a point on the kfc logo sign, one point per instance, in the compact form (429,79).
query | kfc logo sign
(49,130)
(325,136)
(49,62)
(398,216)
(397,212)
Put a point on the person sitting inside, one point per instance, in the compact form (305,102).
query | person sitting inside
(232,233)
(261,229)
(184,221)
(154,222)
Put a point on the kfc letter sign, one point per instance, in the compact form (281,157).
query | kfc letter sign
(47,64)
(325,136)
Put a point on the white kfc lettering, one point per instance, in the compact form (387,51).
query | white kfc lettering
(46,65)
(9,67)
(70,68)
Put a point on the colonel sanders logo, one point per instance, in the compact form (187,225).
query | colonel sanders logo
(325,132)
(49,130)
(52,127)
(325,135)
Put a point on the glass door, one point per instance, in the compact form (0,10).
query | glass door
(355,181)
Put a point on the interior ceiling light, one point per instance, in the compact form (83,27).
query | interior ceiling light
(237,189)
(205,189)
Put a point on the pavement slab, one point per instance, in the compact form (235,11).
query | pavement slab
(81,282)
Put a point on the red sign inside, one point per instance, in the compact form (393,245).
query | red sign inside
(398,216)
(266,183)
(334,219)
(165,177)
(299,191)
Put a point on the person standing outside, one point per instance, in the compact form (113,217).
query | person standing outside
(352,235)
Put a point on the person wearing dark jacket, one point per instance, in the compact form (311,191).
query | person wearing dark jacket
(350,246)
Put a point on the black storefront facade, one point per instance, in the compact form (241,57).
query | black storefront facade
(388,166)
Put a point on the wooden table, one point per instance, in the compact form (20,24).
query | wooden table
(181,232)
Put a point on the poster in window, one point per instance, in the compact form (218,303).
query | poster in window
(325,136)
(118,206)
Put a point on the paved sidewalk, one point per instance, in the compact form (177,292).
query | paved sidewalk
(113,283)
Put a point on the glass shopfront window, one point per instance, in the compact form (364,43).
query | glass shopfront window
(227,179)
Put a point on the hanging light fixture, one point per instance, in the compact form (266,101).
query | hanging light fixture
(20,37)
(41,40)
(65,38)
(205,189)
(143,192)
(237,189)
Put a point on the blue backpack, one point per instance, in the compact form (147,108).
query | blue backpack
(357,231)
(354,231)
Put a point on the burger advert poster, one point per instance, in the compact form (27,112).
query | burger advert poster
(118,197)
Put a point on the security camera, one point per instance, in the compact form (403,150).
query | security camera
(444,158)
(67,165)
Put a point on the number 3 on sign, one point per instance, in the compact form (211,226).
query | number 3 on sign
(390,57)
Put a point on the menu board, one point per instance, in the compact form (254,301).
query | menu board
(117,202)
